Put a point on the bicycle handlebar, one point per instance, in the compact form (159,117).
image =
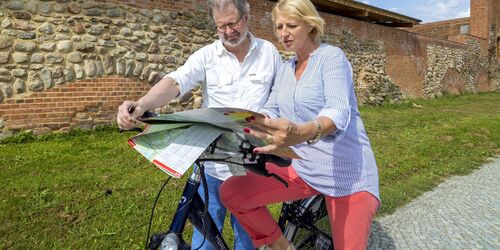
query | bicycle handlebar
(245,153)
(278,161)
(251,161)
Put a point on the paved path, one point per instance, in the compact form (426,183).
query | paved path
(461,213)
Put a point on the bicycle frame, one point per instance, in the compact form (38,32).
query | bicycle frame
(191,207)
(302,215)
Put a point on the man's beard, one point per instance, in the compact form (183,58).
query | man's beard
(234,43)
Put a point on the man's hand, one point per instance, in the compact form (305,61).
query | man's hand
(159,95)
(125,118)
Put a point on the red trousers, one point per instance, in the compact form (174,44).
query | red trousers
(247,196)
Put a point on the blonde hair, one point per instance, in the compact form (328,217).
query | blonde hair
(303,10)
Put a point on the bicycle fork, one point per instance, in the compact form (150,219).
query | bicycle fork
(191,207)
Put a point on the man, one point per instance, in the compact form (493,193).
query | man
(235,71)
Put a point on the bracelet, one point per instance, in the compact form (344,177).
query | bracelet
(318,133)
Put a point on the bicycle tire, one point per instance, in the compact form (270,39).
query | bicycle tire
(307,224)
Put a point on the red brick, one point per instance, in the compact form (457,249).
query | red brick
(406,59)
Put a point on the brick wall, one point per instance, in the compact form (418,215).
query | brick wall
(443,29)
(405,51)
(84,104)
(90,102)
(497,26)
(483,43)
(481,17)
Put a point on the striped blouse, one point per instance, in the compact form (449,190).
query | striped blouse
(341,163)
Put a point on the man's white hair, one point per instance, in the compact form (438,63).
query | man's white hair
(218,5)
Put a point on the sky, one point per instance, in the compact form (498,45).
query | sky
(425,10)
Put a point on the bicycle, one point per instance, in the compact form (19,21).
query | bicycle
(301,221)
(305,223)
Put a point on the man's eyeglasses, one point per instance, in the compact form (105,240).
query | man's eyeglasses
(222,28)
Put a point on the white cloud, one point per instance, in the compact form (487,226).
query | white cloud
(425,10)
(395,9)
(465,13)
(438,10)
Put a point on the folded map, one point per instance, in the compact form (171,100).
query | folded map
(174,141)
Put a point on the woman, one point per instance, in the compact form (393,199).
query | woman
(313,96)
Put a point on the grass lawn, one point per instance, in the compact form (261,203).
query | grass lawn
(89,189)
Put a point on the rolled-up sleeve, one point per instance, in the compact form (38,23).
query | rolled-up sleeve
(191,73)
(337,85)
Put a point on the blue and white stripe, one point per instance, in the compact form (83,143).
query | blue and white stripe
(341,163)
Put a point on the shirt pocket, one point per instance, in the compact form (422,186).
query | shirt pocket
(311,96)
(263,79)
(218,90)
(219,83)
(256,89)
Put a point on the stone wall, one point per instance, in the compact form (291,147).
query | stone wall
(56,43)
(443,62)
(44,44)
(66,64)
(443,29)
(368,60)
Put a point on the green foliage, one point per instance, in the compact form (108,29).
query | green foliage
(89,189)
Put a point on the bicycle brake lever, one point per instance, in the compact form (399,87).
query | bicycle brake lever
(213,145)
(275,176)
(258,169)
(247,148)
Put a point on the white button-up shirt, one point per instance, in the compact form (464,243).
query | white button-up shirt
(227,83)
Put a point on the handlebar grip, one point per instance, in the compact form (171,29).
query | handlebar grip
(146,114)
(278,161)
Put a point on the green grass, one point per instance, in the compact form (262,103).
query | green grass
(420,143)
(89,189)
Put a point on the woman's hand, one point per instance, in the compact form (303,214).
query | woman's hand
(126,119)
(277,133)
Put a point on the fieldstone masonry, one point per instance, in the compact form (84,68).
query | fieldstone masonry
(367,58)
(49,43)
(52,46)
(465,62)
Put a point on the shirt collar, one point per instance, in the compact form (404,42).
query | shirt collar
(317,50)
(312,56)
(219,47)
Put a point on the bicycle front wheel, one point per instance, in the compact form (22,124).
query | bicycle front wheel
(307,224)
